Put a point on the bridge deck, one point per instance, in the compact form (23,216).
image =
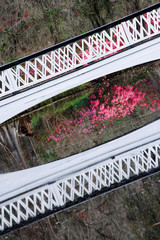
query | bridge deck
(21,181)
(110,48)
(35,193)
(39,191)
(145,52)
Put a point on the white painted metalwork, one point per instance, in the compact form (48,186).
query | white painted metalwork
(69,188)
(92,48)
(140,54)
(92,170)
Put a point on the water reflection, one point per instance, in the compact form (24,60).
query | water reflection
(82,118)
(107,104)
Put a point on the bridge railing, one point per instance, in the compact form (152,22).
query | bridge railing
(80,51)
(35,204)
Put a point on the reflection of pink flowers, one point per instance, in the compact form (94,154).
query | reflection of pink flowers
(100,92)
(116,103)
(122,100)
(95,103)
(26,14)
(93,96)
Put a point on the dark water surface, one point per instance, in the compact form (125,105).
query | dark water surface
(82,118)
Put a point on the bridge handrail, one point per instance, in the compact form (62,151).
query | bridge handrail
(79,37)
(80,51)
(37,202)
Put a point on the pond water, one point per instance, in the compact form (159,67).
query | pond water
(109,107)
(82,118)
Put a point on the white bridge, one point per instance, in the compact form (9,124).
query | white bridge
(125,43)
(29,195)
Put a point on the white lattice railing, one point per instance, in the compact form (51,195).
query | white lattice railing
(80,53)
(85,182)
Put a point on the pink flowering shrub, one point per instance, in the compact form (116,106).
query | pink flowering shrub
(107,104)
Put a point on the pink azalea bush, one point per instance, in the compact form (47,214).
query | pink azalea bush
(107,104)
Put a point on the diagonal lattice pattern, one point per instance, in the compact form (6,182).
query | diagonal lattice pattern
(85,182)
(92,48)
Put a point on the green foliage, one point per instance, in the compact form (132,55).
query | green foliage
(46,102)
(52,13)
(4,44)
(149,70)
(12,59)
(74,103)
(36,119)
(137,77)
(48,157)
(49,25)
(92,9)
(119,123)
(42,137)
